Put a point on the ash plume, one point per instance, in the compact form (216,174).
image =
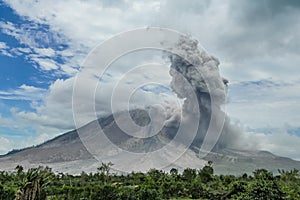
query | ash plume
(201,71)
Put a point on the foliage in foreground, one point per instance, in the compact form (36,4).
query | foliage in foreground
(41,183)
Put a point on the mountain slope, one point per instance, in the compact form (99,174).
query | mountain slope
(232,161)
(66,153)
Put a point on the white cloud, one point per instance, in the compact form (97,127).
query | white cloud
(30,89)
(46,64)
(34,38)
(24,50)
(3,45)
(49,52)
(22,136)
(4,49)
(79,24)
(273,103)
(22,33)
(6,53)
(278,142)
(56,109)
(5,144)
(24,92)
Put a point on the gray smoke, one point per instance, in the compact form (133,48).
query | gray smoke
(201,71)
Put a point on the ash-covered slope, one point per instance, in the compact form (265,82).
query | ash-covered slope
(66,147)
(233,161)
(66,153)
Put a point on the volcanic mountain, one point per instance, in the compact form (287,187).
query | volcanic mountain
(67,153)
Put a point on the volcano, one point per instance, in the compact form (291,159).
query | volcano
(67,153)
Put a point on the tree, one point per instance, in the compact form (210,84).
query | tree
(156,175)
(6,193)
(206,173)
(189,174)
(19,169)
(290,183)
(34,183)
(263,186)
(104,170)
(174,172)
(196,189)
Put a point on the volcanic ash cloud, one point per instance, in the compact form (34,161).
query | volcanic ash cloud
(195,74)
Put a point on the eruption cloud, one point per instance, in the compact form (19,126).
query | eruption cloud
(202,72)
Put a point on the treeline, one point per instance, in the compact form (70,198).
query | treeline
(41,183)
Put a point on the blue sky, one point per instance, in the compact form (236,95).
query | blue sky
(42,45)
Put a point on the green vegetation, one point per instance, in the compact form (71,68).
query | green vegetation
(41,183)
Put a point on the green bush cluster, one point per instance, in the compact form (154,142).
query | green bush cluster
(41,183)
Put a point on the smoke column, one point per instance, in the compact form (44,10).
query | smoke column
(201,65)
